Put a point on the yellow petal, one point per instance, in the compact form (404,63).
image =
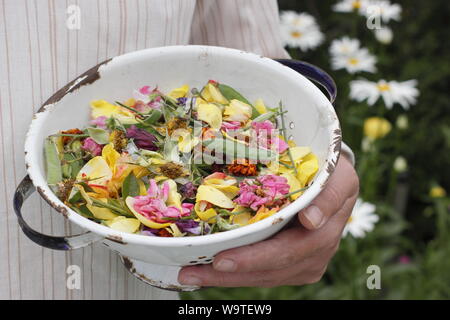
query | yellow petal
(293,183)
(260,106)
(211,114)
(297,154)
(237,111)
(110,155)
(307,169)
(96,171)
(142,188)
(104,108)
(146,222)
(224,183)
(243,217)
(212,94)
(214,196)
(205,215)
(101,213)
(174,230)
(179,92)
(174,198)
(186,141)
(262,213)
(120,223)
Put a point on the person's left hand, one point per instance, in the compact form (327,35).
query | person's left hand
(295,256)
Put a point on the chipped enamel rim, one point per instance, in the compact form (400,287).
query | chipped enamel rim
(38,177)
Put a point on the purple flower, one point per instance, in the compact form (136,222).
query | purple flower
(92,147)
(190,226)
(188,190)
(181,101)
(142,139)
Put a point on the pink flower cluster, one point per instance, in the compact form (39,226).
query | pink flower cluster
(92,147)
(143,101)
(263,190)
(99,122)
(153,205)
(266,136)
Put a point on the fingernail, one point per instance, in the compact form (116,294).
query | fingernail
(314,216)
(190,281)
(225,265)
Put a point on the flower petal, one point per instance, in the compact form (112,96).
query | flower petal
(211,114)
(214,196)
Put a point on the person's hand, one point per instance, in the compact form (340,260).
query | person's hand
(295,256)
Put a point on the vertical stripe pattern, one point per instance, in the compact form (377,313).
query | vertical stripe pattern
(38,55)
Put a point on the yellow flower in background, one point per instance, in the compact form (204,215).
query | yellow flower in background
(437,192)
(376,127)
(180,92)
(104,108)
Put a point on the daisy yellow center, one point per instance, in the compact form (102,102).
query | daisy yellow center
(383,87)
(356,4)
(353,61)
(296,34)
(350,219)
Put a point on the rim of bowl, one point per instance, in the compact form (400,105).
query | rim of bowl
(320,180)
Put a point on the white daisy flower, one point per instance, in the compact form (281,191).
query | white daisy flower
(404,93)
(300,20)
(344,46)
(351,5)
(384,35)
(300,31)
(386,10)
(359,60)
(362,220)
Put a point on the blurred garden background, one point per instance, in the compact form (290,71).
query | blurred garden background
(392,70)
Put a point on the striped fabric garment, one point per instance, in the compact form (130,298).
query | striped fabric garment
(46,43)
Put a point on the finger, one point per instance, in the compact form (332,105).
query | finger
(207,276)
(342,185)
(282,250)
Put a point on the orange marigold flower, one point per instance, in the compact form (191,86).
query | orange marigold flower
(65,140)
(243,168)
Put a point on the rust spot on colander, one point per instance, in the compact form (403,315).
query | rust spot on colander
(114,238)
(86,78)
(57,207)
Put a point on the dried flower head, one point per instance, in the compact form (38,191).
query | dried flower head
(176,123)
(66,140)
(119,140)
(242,167)
(172,170)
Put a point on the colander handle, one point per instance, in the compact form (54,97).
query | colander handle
(23,191)
(313,73)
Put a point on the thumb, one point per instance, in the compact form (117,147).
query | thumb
(342,185)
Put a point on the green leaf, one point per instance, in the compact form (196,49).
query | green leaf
(237,150)
(54,171)
(99,135)
(130,187)
(230,93)
(153,117)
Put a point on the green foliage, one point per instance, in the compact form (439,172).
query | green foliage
(411,241)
